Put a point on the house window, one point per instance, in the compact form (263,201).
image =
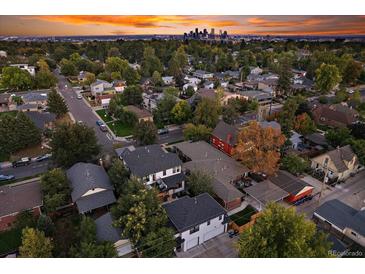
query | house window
(194,229)
(164,173)
(353,233)
(208,223)
(178,169)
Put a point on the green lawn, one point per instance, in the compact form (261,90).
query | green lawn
(120,129)
(12,113)
(10,240)
(243,217)
(106,117)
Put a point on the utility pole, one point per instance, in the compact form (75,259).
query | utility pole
(325,180)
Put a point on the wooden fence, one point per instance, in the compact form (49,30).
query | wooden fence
(240,229)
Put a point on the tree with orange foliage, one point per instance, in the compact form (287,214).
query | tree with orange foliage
(304,124)
(259,148)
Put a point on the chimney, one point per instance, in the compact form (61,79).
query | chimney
(195,201)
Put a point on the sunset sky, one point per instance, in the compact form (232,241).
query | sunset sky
(119,25)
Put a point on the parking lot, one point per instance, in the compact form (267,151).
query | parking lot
(221,246)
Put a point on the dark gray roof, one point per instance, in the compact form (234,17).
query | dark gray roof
(150,159)
(339,155)
(342,215)
(317,138)
(84,177)
(226,133)
(16,198)
(174,180)
(34,97)
(288,182)
(265,192)
(40,119)
(97,200)
(188,212)
(4,98)
(105,231)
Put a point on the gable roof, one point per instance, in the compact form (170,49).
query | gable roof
(226,132)
(337,113)
(342,215)
(84,177)
(187,212)
(105,231)
(340,156)
(317,138)
(288,182)
(146,160)
(40,119)
(16,198)
(34,96)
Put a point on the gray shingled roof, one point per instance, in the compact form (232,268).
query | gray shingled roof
(226,133)
(40,119)
(342,215)
(97,200)
(84,177)
(317,138)
(34,96)
(188,212)
(174,180)
(266,192)
(338,156)
(14,199)
(150,159)
(288,182)
(105,231)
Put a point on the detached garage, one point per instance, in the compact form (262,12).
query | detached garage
(196,220)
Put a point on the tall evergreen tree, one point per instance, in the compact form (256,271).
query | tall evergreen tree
(56,104)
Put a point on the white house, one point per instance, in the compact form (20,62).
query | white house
(168,80)
(202,74)
(256,70)
(209,85)
(134,66)
(156,167)
(3,53)
(119,86)
(196,220)
(186,86)
(192,80)
(26,67)
(99,86)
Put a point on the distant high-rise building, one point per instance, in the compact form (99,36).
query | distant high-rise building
(212,32)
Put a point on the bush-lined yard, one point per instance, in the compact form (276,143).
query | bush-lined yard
(103,115)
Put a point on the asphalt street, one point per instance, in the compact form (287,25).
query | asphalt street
(33,169)
(171,137)
(82,112)
(352,192)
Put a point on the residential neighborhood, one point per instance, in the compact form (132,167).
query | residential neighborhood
(206,145)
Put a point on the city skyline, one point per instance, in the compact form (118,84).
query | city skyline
(134,25)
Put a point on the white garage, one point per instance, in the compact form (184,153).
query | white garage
(192,243)
(214,232)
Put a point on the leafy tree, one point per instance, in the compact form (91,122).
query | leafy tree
(156,79)
(131,76)
(55,189)
(127,117)
(341,95)
(358,130)
(27,133)
(351,72)
(229,114)
(73,143)
(174,67)
(207,113)
(16,79)
(45,79)
(145,133)
(162,114)
(281,233)
(68,68)
(327,77)
(118,175)
(294,164)
(113,52)
(197,132)
(338,137)
(200,182)
(116,75)
(89,78)
(132,95)
(258,148)
(35,244)
(116,64)
(46,225)
(56,104)
(246,57)
(284,77)
(159,244)
(25,219)
(359,147)
(172,91)
(304,124)
(356,97)
(287,115)
(181,112)
(150,62)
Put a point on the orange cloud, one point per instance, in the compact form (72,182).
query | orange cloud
(135,21)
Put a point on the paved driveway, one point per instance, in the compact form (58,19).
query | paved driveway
(219,247)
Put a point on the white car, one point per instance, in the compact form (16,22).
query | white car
(79,96)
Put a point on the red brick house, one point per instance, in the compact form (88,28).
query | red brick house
(16,199)
(224,137)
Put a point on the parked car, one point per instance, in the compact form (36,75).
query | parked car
(103,128)
(6,177)
(232,233)
(79,96)
(163,131)
(80,122)
(22,162)
(258,176)
(43,157)
(99,123)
